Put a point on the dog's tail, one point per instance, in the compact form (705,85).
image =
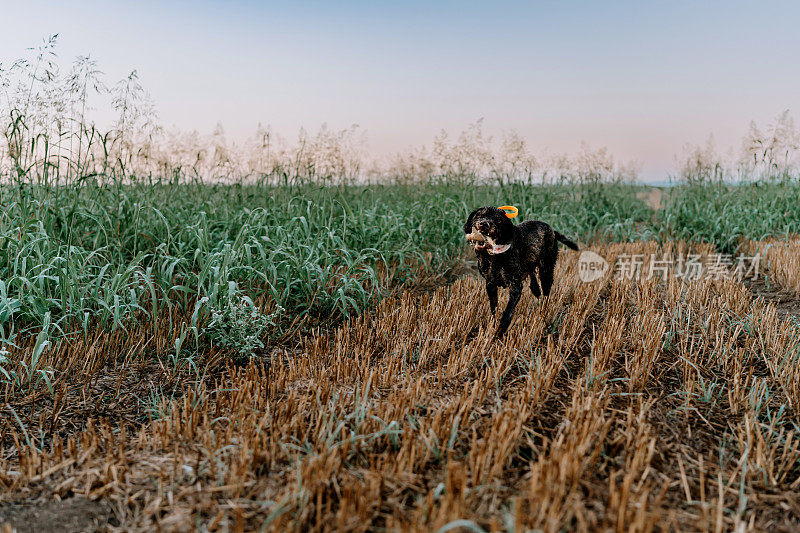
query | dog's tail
(566,241)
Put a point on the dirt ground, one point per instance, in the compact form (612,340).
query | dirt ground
(72,515)
(785,302)
(653,197)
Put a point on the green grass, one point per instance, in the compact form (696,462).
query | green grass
(723,214)
(87,255)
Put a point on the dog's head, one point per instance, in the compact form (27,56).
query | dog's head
(489,229)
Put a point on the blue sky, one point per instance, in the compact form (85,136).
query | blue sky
(641,78)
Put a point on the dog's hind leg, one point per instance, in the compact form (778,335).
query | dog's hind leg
(546,275)
(513,299)
(491,291)
(547,267)
(534,284)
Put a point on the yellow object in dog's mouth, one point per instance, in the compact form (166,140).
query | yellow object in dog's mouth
(513,210)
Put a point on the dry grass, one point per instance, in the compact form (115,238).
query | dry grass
(616,405)
(781,258)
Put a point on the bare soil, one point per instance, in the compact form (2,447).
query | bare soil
(787,303)
(74,515)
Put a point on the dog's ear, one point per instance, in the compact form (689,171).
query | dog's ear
(468,223)
(505,228)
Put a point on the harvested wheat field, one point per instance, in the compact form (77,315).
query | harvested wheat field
(620,404)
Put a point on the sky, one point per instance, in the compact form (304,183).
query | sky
(643,79)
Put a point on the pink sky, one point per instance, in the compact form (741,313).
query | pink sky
(640,78)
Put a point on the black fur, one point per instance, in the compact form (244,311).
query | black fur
(534,248)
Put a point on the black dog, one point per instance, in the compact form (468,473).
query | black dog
(507,254)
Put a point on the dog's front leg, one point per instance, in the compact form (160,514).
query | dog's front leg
(514,295)
(491,291)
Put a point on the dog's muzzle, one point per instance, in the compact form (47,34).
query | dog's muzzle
(481,242)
